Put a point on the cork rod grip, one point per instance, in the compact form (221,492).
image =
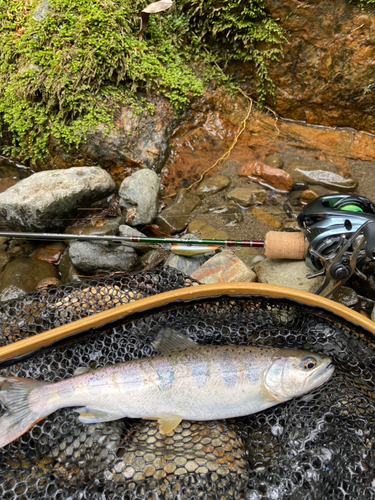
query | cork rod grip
(281,245)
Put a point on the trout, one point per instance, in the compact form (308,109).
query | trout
(187,382)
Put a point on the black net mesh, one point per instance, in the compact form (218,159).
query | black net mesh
(317,446)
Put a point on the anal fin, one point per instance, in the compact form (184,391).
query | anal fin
(92,416)
(167,423)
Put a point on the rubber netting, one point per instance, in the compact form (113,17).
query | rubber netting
(317,446)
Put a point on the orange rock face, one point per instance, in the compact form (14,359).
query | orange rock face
(269,176)
(326,76)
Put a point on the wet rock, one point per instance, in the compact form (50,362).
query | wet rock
(97,226)
(22,276)
(224,267)
(274,161)
(274,178)
(266,218)
(247,255)
(291,274)
(185,264)
(44,200)
(307,196)
(153,258)
(4,259)
(345,296)
(68,272)
(212,185)
(46,282)
(290,226)
(139,195)
(7,183)
(202,230)
(247,197)
(50,253)
(175,218)
(127,231)
(326,67)
(93,258)
(136,140)
(311,176)
(20,248)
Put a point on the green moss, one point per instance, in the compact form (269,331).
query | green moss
(66,73)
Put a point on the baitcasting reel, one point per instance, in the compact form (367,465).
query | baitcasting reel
(340,229)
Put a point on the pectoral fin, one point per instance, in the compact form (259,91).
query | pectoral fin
(91,416)
(166,422)
(169,340)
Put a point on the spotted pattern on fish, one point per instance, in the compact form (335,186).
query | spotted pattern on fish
(228,369)
(67,388)
(199,370)
(165,374)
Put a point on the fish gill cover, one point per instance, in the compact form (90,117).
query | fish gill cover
(317,446)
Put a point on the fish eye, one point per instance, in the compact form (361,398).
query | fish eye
(309,363)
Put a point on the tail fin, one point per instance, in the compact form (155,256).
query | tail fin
(14,393)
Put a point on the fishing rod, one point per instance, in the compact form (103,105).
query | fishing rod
(277,244)
(337,237)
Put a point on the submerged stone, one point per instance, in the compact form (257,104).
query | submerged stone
(275,178)
(247,197)
(346,296)
(314,176)
(266,218)
(175,218)
(68,272)
(212,185)
(274,161)
(202,230)
(22,276)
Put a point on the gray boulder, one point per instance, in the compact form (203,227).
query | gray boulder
(93,258)
(139,195)
(45,200)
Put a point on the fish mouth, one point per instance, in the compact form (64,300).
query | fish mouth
(321,376)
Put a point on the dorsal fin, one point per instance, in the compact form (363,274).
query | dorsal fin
(170,340)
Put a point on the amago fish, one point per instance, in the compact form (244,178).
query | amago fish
(192,383)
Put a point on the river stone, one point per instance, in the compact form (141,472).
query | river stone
(287,273)
(307,196)
(185,264)
(274,161)
(46,199)
(139,196)
(212,185)
(22,276)
(345,296)
(93,258)
(202,230)
(4,259)
(125,230)
(224,267)
(265,217)
(97,227)
(68,272)
(247,197)
(175,218)
(274,178)
(314,176)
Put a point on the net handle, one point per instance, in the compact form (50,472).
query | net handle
(36,342)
